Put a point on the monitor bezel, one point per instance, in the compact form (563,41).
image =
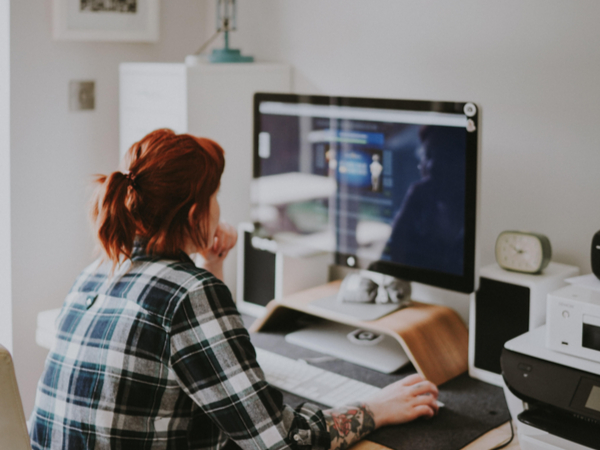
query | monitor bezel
(461,283)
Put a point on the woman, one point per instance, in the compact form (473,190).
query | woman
(151,351)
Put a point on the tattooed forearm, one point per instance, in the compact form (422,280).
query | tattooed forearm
(348,424)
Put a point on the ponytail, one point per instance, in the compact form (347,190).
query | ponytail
(111,215)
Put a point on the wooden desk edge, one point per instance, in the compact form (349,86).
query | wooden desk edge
(489,440)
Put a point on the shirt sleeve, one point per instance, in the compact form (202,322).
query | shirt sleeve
(215,364)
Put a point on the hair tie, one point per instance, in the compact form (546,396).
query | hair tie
(131,179)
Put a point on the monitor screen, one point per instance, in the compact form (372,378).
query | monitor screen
(388,185)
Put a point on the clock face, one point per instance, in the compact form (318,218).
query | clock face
(522,252)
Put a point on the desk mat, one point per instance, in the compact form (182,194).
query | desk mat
(472,407)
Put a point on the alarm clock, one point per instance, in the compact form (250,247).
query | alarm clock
(522,251)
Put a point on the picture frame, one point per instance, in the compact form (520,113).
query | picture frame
(106,20)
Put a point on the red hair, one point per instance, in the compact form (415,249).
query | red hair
(166,174)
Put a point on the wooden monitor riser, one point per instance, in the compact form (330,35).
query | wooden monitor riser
(434,337)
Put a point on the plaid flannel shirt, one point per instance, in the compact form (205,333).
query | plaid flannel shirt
(156,357)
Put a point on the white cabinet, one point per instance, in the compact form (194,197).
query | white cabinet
(209,100)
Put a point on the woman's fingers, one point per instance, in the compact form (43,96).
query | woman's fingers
(216,248)
(419,385)
(411,380)
(425,387)
(225,239)
(426,411)
(229,236)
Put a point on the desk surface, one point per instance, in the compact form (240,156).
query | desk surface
(489,440)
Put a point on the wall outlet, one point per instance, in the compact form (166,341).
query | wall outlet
(82,95)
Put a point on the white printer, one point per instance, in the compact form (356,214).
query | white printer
(555,371)
(560,394)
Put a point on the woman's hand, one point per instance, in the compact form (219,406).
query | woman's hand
(403,401)
(400,402)
(224,240)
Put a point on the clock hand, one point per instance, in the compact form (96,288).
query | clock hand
(518,250)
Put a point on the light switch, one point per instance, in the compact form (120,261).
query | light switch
(82,95)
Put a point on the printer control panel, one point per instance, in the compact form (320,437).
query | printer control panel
(587,396)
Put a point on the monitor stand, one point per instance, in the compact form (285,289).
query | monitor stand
(432,336)
(360,346)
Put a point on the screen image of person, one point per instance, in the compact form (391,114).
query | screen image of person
(151,351)
(428,229)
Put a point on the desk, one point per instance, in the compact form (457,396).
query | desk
(45,337)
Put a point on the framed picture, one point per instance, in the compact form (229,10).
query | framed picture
(106,20)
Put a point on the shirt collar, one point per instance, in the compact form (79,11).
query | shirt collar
(139,251)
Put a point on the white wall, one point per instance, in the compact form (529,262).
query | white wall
(55,152)
(531,65)
(5,266)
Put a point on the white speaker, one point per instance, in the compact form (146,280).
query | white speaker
(266,273)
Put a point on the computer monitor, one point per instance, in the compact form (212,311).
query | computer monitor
(386,185)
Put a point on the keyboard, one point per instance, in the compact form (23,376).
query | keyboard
(313,383)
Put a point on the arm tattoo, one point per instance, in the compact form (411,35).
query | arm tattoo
(349,424)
